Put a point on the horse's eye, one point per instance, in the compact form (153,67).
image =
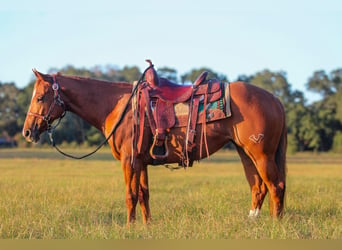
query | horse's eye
(40,99)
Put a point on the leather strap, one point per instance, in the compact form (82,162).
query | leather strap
(141,121)
(192,125)
(191,129)
(204,126)
(149,110)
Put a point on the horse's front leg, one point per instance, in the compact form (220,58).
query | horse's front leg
(144,195)
(132,179)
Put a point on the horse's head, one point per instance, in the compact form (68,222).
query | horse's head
(46,106)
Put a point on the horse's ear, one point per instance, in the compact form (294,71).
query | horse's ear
(37,73)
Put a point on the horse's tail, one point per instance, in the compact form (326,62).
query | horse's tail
(280,156)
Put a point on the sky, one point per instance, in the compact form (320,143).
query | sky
(230,37)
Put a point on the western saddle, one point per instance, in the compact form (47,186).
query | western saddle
(157,97)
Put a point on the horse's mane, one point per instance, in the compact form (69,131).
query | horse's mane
(49,78)
(92,80)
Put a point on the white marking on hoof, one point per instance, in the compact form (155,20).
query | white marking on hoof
(254,213)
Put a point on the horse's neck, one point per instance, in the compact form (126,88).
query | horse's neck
(91,100)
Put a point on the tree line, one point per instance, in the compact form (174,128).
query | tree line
(313,126)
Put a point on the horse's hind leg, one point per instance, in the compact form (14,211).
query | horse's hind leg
(268,171)
(258,187)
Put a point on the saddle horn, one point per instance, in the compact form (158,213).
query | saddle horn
(151,75)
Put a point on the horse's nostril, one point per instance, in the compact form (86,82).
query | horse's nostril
(27,133)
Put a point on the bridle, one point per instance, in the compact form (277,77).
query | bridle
(57,101)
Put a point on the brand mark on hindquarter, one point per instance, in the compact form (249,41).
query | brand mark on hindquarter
(256,139)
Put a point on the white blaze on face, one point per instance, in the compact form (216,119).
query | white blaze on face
(33,94)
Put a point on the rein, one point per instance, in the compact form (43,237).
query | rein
(57,99)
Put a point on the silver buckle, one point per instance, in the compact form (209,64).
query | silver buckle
(55,86)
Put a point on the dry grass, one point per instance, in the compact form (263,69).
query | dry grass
(44,196)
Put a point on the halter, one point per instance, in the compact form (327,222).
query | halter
(56,101)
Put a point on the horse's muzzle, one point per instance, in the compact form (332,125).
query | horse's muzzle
(31,135)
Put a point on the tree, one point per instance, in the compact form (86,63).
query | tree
(274,82)
(301,127)
(129,74)
(337,144)
(325,84)
(168,73)
(9,109)
(191,76)
(328,111)
(23,101)
(244,78)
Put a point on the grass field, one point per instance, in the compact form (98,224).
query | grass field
(45,196)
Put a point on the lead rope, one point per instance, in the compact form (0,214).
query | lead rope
(52,128)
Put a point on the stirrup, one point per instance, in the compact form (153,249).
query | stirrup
(159,157)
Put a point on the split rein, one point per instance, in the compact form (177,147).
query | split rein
(58,101)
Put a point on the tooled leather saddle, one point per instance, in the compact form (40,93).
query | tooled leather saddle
(157,99)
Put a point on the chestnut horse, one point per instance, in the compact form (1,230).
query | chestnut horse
(257,127)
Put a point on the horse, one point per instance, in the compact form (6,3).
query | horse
(257,127)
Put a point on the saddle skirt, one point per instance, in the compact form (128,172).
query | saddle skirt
(165,109)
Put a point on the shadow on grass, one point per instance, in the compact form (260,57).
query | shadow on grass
(50,153)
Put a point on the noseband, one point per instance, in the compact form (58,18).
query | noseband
(56,101)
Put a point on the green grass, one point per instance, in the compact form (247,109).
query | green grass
(45,196)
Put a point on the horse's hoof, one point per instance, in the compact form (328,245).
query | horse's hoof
(253,214)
